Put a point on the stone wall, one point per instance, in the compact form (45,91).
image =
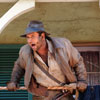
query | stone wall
(79,22)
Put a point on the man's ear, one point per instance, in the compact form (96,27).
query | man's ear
(43,36)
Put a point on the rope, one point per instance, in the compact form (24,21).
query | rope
(65,87)
(69,87)
(20,88)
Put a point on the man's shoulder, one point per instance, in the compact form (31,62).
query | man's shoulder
(60,41)
(25,48)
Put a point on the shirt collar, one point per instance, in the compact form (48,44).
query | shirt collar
(50,48)
(57,45)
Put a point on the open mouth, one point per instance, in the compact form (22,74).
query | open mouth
(32,45)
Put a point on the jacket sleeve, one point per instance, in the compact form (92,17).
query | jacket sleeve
(76,62)
(18,70)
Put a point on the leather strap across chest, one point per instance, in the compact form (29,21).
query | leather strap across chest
(46,72)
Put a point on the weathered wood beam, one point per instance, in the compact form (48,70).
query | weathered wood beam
(54,0)
(21,7)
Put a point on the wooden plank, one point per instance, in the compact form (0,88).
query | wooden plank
(21,7)
(54,0)
(85,49)
(86,44)
(93,72)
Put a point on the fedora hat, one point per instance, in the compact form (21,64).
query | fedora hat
(33,26)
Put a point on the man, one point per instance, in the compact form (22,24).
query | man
(56,56)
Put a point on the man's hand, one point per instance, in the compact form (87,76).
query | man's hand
(81,86)
(71,87)
(11,86)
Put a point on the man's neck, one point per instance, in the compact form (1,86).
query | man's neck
(44,49)
(43,52)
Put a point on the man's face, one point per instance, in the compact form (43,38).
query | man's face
(34,40)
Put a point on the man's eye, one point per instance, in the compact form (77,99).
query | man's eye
(27,37)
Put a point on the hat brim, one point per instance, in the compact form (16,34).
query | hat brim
(30,30)
(23,35)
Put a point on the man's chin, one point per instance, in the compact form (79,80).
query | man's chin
(34,49)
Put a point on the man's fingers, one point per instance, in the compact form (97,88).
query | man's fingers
(81,86)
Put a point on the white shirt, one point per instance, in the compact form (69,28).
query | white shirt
(53,69)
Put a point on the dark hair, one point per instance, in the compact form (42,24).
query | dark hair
(46,34)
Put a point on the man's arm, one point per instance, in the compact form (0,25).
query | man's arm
(81,74)
(17,73)
(76,62)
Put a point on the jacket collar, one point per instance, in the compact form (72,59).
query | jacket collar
(56,43)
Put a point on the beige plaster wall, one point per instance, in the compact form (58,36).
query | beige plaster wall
(79,22)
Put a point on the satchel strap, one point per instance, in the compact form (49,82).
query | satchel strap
(46,72)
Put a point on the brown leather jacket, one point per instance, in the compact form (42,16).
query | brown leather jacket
(67,57)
